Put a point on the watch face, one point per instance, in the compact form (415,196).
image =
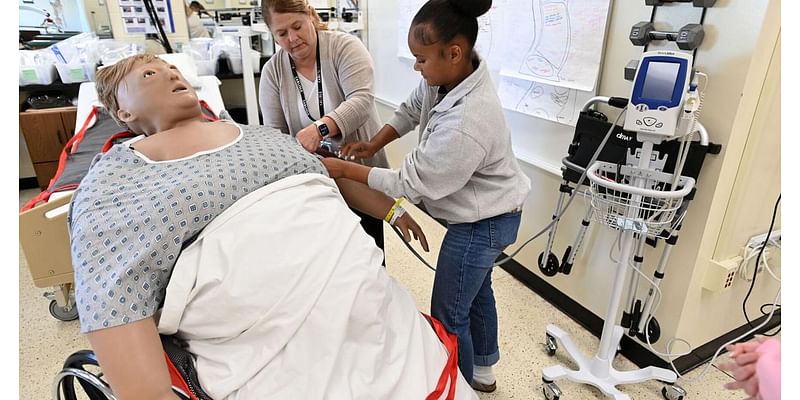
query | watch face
(323,129)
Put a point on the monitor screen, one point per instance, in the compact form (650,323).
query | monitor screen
(660,80)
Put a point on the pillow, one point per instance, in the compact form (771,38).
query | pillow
(186,65)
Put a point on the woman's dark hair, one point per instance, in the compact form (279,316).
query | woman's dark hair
(443,20)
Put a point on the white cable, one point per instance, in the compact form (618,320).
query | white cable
(711,362)
(669,354)
(656,303)
(766,266)
(616,244)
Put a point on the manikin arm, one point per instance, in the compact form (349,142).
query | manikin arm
(133,361)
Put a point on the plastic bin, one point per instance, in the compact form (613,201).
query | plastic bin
(235,63)
(206,67)
(73,73)
(36,74)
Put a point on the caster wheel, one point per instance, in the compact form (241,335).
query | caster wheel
(61,314)
(549,268)
(673,392)
(550,345)
(551,391)
(653,330)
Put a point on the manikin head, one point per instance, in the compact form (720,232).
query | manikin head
(146,95)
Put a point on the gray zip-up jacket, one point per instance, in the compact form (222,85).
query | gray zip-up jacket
(463,169)
(348,80)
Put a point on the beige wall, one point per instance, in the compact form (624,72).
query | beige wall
(98,21)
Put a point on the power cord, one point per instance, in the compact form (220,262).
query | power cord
(574,192)
(557,217)
(671,356)
(758,259)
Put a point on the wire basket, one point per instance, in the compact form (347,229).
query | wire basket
(632,198)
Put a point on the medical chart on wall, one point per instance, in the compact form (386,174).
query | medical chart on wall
(554,103)
(547,52)
(136,20)
(559,42)
(489,32)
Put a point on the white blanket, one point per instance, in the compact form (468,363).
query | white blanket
(283,297)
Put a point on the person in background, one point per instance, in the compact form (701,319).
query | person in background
(199,9)
(195,26)
(319,86)
(462,171)
(756,366)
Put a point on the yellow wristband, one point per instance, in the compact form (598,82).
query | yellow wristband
(396,204)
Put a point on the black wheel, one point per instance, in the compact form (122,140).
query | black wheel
(675,392)
(566,267)
(550,268)
(653,330)
(61,314)
(550,345)
(551,391)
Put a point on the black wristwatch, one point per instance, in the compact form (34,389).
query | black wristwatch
(322,128)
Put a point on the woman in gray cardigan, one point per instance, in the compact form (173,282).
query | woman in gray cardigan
(319,85)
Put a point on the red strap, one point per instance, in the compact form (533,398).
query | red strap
(82,132)
(213,116)
(450,370)
(110,142)
(41,197)
(177,379)
(70,147)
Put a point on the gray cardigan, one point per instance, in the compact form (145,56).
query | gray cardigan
(463,169)
(348,80)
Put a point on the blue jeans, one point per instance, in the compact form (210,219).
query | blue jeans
(462,298)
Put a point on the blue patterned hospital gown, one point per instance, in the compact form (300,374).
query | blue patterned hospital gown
(130,217)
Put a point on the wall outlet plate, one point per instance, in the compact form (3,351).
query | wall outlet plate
(720,275)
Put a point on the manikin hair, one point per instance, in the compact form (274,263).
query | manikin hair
(109,78)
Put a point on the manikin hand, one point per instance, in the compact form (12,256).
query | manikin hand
(335,167)
(309,138)
(405,223)
(357,150)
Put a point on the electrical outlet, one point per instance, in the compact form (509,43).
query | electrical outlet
(757,240)
(720,274)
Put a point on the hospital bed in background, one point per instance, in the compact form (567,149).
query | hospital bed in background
(43,233)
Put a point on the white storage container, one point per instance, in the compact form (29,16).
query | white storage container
(36,74)
(73,73)
(235,63)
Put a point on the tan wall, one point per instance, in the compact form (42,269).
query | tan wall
(99,21)
(748,188)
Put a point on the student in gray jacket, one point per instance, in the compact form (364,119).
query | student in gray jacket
(463,171)
(319,85)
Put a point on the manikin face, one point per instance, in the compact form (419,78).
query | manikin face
(155,91)
(432,61)
(295,33)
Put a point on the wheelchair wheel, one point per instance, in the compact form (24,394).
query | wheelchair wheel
(550,266)
(61,314)
(75,369)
